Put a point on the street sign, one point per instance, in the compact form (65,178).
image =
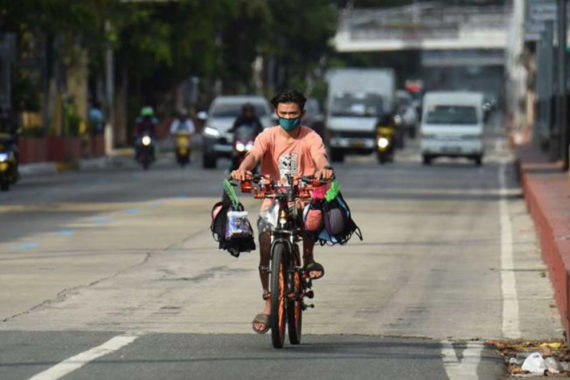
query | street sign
(538,13)
(542,11)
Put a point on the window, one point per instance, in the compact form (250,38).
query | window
(452,115)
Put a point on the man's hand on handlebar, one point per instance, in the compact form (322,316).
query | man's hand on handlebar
(325,174)
(241,175)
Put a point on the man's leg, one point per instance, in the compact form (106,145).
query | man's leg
(308,258)
(264,252)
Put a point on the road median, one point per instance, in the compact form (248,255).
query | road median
(547,193)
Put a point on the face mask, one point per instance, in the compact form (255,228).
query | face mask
(289,124)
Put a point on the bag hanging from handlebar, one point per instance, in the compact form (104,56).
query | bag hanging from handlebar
(230,226)
(338,225)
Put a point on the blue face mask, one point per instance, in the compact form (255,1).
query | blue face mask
(289,124)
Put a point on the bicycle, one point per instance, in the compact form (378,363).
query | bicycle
(289,283)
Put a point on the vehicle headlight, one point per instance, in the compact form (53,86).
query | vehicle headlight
(249,146)
(213,132)
(146,140)
(240,147)
(383,142)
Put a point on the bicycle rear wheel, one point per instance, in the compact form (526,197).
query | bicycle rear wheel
(278,318)
(295,304)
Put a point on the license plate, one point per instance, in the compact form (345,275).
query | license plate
(451,149)
(357,144)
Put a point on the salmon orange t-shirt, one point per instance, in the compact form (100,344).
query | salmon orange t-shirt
(281,155)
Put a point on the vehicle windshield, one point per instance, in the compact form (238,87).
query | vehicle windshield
(234,109)
(452,115)
(364,106)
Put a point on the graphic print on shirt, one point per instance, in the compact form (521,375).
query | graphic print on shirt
(288,164)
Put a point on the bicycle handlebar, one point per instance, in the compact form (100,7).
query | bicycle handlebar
(271,189)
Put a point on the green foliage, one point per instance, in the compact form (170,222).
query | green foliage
(161,44)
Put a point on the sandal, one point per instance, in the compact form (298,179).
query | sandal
(315,267)
(262,319)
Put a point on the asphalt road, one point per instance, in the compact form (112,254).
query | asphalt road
(114,274)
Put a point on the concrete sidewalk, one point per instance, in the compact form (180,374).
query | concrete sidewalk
(119,158)
(547,194)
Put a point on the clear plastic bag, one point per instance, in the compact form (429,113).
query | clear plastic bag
(238,225)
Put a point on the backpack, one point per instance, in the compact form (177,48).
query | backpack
(338,226)
(230,226)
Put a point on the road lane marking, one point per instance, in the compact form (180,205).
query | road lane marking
(26,246)
(510,325)
(464,368)
(102,220)
(66,232)
(75,362)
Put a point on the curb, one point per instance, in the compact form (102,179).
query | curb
(547,194)
(47,168)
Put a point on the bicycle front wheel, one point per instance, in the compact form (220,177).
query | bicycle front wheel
(278,318)
(295,310)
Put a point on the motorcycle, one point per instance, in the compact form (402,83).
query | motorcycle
(183,148)
(385,134)
(244,137)
(8,167)
(145,154)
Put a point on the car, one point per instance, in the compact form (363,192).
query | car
(314,117)
(452,126)
(217,141)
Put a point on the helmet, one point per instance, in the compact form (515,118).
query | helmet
(147,111)
(247,107)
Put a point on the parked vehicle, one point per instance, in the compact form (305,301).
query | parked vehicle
(452,126)
(217,140)
(356,99)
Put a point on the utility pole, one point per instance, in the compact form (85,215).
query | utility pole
(7,55)
(110,94)
(562,115)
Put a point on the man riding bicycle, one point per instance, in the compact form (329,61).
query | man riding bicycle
(286,149)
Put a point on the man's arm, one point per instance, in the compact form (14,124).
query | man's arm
(319,154)
(244,171)
(324,170)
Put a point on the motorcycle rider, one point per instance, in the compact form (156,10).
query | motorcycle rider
(9,132)
(182,123)
(247,118)
(146,123)
(288,148)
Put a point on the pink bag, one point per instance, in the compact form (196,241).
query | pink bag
(313,217)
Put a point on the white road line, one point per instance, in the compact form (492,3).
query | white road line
(511,327)
(464,368)
(75,362)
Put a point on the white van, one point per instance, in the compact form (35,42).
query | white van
(452,126)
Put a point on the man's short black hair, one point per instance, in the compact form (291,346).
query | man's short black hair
(289,96)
